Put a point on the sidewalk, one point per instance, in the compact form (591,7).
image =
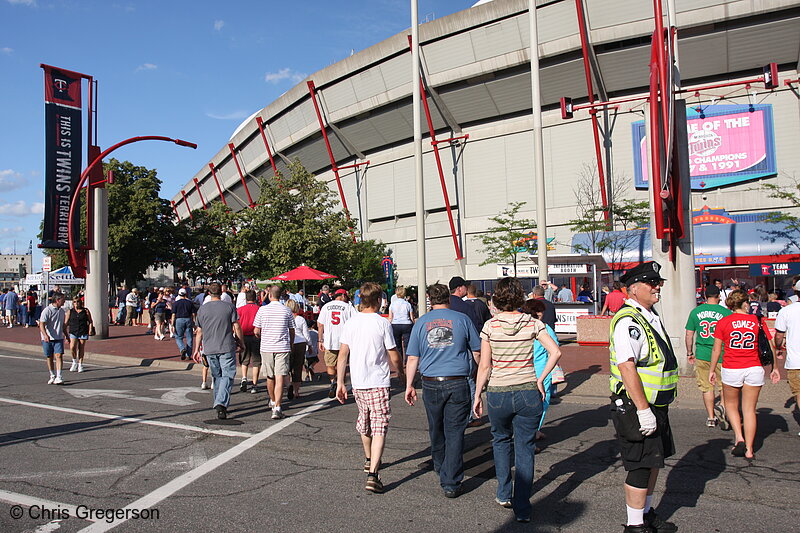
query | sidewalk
(586,367)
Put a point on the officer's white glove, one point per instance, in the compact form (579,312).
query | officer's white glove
(647,421)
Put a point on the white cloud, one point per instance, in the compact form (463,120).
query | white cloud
(11,180)
(21,208)
(218,24)
(18,229)
(235,115)
(284,74)
(7,50)
(23,2)
(146,66)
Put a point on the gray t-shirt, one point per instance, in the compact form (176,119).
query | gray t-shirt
(53,320)
(215,318)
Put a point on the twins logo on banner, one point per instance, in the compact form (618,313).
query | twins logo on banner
(63,150)
(727,144)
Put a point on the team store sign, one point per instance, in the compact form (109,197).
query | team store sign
(727,144)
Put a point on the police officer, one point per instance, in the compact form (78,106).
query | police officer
(644,378)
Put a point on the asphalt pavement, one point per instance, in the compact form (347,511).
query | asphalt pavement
(146,438)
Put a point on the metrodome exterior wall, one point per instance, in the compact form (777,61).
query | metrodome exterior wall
(476,61)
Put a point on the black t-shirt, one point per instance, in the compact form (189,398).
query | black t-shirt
(121,295)
(549,315)
(183,308)
(457,304)
(481,310)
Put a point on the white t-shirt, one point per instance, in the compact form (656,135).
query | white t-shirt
(788,321)
(401,311)
(630,341)
(300,329)
(241,299)
(333,317)
(225,297)
(275,321)
(369,337)
(313,344)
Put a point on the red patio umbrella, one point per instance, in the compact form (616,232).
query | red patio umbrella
(303,273)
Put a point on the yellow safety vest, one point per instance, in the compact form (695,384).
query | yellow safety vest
(658,371)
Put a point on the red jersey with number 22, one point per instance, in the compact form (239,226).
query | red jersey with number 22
(739,334)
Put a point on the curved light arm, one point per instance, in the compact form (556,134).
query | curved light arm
(73,256)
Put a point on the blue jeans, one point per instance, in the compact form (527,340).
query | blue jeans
(515,417)
(183,328)
(223,369)
(447,404)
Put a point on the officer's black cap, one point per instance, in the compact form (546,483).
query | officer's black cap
(648,271)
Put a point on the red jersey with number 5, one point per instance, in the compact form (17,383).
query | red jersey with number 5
(739,335)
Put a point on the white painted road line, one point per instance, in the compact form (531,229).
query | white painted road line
(220,432)
(37,359)
(160,494)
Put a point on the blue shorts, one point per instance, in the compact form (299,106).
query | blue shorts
(79,337)
(53,347)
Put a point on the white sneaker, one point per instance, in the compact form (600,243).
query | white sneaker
(74,366)
(58,381)
(277,413)
(80,367)
(10,325)
(51,380)
(204,386)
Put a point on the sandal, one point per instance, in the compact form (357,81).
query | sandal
(739,449)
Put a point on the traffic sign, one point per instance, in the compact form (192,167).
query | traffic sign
(47,263)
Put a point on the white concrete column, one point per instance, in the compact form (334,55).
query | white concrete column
(97,266)
(678,292)
(422,280)
(538,145)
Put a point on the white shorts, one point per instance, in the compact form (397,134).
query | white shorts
(736,377)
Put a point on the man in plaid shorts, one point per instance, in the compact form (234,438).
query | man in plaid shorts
(368,343)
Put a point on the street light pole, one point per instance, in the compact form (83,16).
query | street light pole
(538,145)
(422,282)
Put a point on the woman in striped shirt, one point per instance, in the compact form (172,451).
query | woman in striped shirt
(514,394)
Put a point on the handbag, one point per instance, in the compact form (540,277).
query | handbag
(764,349)
(92,331)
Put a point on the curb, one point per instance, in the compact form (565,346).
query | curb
(120,360)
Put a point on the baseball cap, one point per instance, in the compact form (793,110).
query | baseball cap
(340,291)
(456,281)
(182,292)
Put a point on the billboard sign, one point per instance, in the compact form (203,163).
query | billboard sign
(728,144)
(63,150)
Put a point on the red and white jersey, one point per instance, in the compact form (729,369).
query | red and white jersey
(333,316)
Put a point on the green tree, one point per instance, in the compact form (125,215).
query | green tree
(504,242)
(140,228)
(626,215)
(783,226)
(206,244)
(298,221)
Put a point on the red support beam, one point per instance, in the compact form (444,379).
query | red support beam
(241,174)
(435,144)
(219,189)
(200,194)
(312,90)
(260,123)
(655,145)
(590,89)
(175,209)
(186,203)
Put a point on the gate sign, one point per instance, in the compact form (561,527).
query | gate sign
(775,269)
(727,144)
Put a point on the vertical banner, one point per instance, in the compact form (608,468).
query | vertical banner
(63,151)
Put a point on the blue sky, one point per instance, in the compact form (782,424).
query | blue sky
(184,69)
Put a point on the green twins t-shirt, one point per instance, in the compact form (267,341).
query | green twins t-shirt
(702,320)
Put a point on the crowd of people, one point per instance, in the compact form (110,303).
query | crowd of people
(466,345)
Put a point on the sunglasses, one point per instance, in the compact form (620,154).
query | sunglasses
(654,283)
